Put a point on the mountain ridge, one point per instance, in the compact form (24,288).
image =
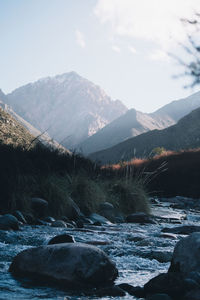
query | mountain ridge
(183,135)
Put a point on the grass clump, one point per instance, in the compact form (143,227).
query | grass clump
(129,196)
(88,193)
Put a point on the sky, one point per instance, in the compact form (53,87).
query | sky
(120,45)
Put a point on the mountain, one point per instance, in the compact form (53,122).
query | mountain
(183,135)
(26,128)
(130,124)
(133,123)
(68,107)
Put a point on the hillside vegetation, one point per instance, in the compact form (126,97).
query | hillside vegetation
(167,175)
(12,132)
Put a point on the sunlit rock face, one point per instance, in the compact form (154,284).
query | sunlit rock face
(69,107)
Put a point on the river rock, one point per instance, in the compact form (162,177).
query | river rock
(9,222)
(70,264)
(140,217)
(39,206)
(112,291)
(62,238)
(186,256)
(186,229)
(49,219)
(19,216)
(59,223)
(166,283)
(97,218)
(136,291)
(108,211)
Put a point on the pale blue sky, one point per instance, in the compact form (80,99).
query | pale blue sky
(117,44)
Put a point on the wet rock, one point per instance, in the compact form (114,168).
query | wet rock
(159,297)
(41,222)
(74,264)
(49,219)
(166,283)
(168,236)
(186,229)
(112,291)
(65,219)
(108,211)
(140,218)
(192,295)
(136,291)
(19,216)
(186,256)
(161,256)
(59,223)
(9,222)
(62,238)
(39,206)
(97,223)
(97,218)
(30,219)
(79,223)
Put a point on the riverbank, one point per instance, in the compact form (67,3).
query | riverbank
(140,251)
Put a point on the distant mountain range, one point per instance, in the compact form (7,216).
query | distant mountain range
(183,135)
(68,107)
(134,123)
(79,115)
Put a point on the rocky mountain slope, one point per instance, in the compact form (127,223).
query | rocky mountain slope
(12,132)
(23,128)
(183,135)
(134,123)
(68,107)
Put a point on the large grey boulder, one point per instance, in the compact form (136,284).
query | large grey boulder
(9,222)
(186,256)
(69,264)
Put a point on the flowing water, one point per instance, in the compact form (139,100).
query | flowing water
(139,252)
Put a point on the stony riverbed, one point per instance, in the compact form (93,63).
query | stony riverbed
(139,251)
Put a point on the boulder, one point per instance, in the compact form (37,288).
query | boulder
(49,219)
(112,291)
(97,218)
(31,220)
(185,230)
(39,206)
(77,264)
(136,291)
(59,223)
(62,238)
(166,283)
(186,256)
(140,217)
(19,216)
(108,211)
(9,222)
